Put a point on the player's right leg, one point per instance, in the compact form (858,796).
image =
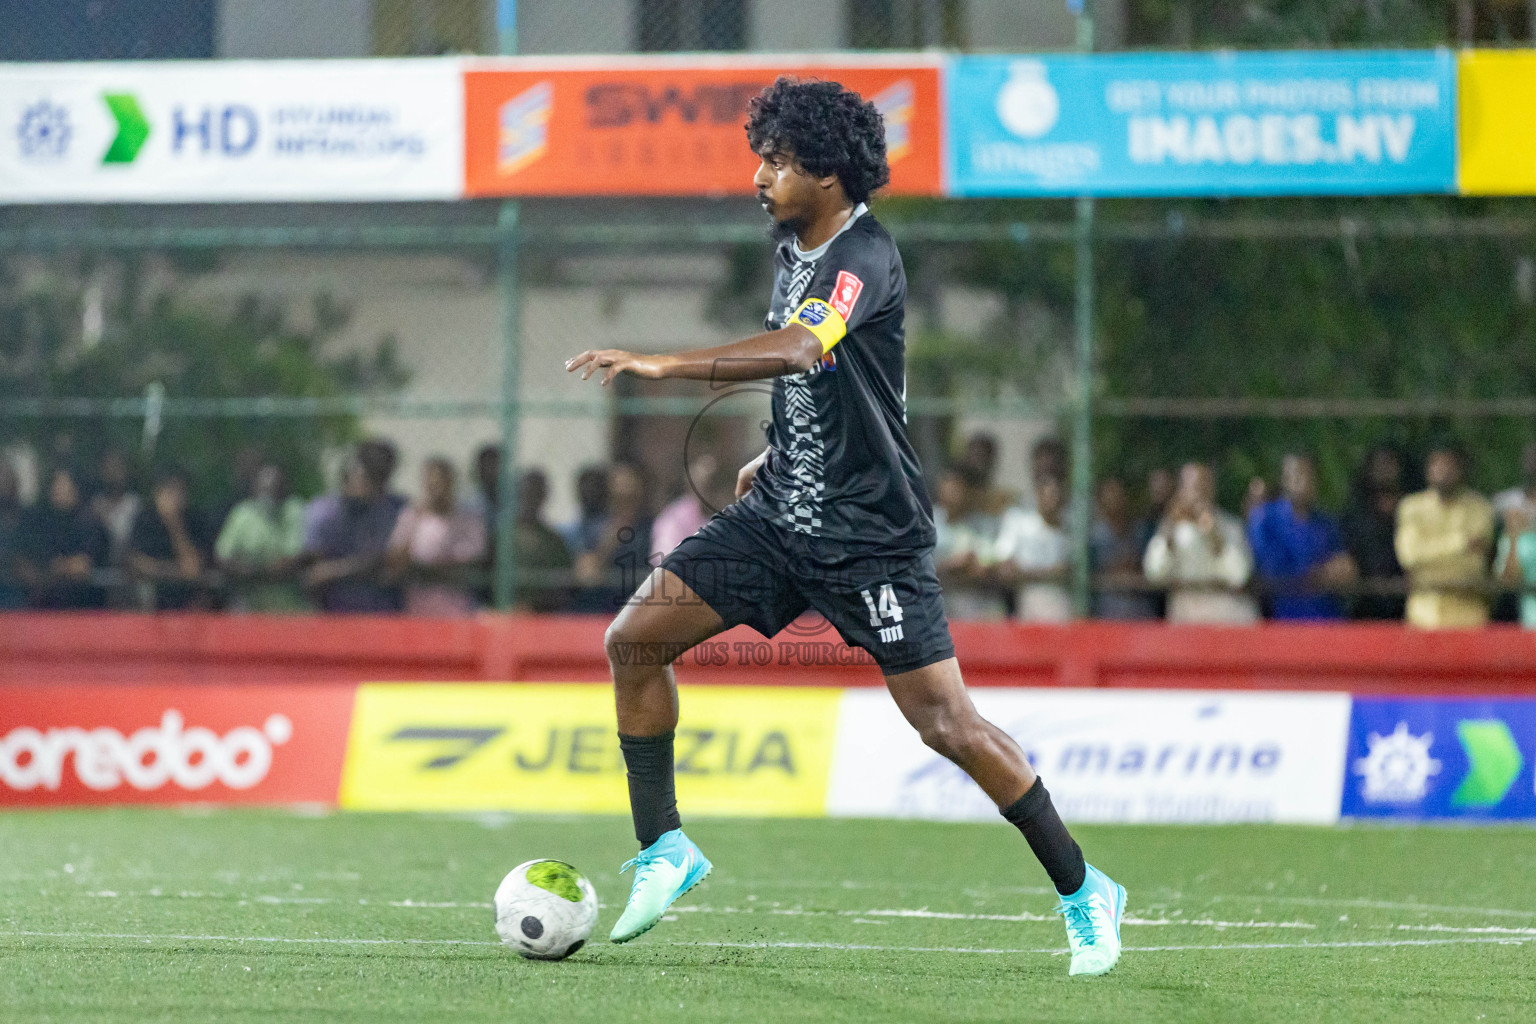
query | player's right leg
(661,621)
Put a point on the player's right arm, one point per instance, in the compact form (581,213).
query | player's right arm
(794,348)
(748,473)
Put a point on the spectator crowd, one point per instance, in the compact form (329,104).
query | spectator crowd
(1444,556)
(94,541)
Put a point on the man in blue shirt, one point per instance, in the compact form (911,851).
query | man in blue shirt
(1298,550)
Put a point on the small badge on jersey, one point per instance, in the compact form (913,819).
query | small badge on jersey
(822,320)
(814,313)
(846,293)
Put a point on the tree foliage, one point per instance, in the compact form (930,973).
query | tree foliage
(1351,317)
(110,330)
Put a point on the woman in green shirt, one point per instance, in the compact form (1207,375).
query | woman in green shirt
(260,545)
(1516,562)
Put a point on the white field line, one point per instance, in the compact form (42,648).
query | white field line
(1021,918)
(844,946)
(860,916)
(1489,930)
(288,900)
(1316,901)
(980,891)
(1364,944)
(246,938)
(922,913)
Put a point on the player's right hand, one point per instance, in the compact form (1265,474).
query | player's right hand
(612,362)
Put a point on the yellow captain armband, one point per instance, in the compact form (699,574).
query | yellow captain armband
(818,317)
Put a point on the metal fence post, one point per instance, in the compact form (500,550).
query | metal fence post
(1081,507)
(1082,410)
(510,284)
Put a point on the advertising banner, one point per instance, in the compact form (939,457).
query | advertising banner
(231,131)
(1202,124)
(554,747)
(1111,756)
(171,744)
(1498,123)
(1424,758)
(666,127)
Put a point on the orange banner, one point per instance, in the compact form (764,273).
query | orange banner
(668,129)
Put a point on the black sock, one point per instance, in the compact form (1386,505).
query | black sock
(652,795)
(1036,817)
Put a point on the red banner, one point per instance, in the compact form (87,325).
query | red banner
(666,128)
(172,744)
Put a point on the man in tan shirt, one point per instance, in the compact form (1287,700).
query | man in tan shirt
(1444,535)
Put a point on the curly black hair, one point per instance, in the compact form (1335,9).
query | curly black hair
(828,130)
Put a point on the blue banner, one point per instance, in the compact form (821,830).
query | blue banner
(1202,124)
(1421,758)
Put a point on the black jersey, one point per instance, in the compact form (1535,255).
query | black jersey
(840,468)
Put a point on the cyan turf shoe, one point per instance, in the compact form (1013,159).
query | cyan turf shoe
(664,871)
(1093,923)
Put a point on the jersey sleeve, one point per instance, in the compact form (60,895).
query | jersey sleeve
(851,284)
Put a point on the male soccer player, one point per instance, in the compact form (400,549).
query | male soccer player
(833,515)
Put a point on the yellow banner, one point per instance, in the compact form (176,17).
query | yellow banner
(554,747)
(1497,123)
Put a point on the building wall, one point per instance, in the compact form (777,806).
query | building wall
(276,29)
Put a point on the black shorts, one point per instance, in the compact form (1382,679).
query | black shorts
(753,572)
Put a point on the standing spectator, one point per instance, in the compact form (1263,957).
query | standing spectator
(486,504)
(1048,460)
(681,517)
(484,501)
(115,505)
(1160,487)
(543,561)
(1115,553)
(585,532)
(1444,536)
(170,546)
(1521,498)
(12,516)
(347,534)
(1032,554)
(62,548)
(964,538)
(436,542)
(1255,497)
(978,464)
(243,468)
(260,546)
(1515,563)
(1516,505)
(613,568)
(1370,531)
(1298,550)
(1201,553)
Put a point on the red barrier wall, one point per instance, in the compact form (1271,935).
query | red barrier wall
(177,649)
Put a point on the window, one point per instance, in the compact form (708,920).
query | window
(905,24)
(664,25)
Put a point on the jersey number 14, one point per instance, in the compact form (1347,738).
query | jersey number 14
(887,607)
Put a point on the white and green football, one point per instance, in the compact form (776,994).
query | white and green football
(545,909)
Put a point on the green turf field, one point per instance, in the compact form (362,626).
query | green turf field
(136,915)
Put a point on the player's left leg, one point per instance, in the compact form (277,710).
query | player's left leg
(934,700)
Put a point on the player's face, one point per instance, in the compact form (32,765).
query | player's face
(787,192)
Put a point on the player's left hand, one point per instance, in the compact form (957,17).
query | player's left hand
(612,362)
